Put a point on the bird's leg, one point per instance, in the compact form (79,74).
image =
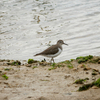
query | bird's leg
(52,60)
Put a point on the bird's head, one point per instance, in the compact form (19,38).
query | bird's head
(61,42)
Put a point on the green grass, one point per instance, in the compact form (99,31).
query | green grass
(53,66)
(71,59)
(30,61)
(82,59)
(68,63)
(16,63)
(87,86)
(34,67)
(97,83)
(70,66)
(80,81)
(7,69)
(5,76)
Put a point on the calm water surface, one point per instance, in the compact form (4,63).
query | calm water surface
(28,27)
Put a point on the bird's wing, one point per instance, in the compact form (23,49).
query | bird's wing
(51,50)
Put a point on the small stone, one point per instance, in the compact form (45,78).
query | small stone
(94,73)
(11,61)
(67,76)
(28,65)
(95,87)
(81,66)
(68,93)
(44,63)
(99,72)
(76,86)
(0,71)
(1,68)
(75,69)
(29,97)
(4,73)
(5,64)
(93,78)
(87,68)
(99,62)
(87,72)
(96,70)
(47,76)
(6,83)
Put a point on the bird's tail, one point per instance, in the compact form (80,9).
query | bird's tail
(37,54)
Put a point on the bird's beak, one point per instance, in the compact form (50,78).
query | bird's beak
(65,44)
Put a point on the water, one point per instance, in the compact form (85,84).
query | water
(27,27)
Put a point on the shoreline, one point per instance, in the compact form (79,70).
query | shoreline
(35,80)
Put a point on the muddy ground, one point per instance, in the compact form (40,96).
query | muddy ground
(37,82)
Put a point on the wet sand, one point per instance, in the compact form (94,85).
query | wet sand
(27,83)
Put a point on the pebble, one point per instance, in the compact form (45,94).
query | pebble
(67,76)
(93,78)
(5,64)
(99,62)
(28,65)
(87,72)
(94,73)
(95,87)
(81,66)
(87,68)
(75,69)
(29,97)
(95,70)
(68,93)
(99,72)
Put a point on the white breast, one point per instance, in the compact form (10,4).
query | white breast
(55,55)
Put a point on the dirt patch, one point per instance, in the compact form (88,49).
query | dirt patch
(37,82)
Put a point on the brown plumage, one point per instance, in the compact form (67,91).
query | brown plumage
(49,51)
(53,51)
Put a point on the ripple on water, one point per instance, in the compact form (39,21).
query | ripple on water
(29,26)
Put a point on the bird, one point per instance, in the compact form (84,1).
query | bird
(53,51)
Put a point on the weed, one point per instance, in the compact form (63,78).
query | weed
(7,69)
(30,61)
(97,83)
(71,59)
(84,59)
(80,81)
(70,66)
(68,63)
(5,76)
(53,66)
(87,86)
(15,63)
(34,67)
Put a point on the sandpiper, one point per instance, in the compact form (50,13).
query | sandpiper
(53,51)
